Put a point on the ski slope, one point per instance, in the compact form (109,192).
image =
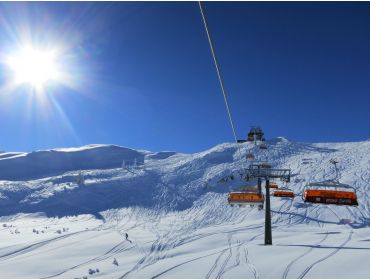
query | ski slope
(173,207)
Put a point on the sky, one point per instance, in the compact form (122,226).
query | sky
(141,74)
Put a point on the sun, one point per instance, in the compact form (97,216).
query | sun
(34,66)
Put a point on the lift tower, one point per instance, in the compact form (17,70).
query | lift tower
(265,172)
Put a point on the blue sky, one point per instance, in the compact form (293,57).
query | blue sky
(144,75)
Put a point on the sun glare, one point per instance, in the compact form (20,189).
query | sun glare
(33,66)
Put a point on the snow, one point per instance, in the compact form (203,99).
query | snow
(174,208)
(38,164)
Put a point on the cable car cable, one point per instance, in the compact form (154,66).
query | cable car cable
(219,74)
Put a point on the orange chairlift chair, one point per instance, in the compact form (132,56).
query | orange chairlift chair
(330,192)
(284,192)
(245,197)
(273,185)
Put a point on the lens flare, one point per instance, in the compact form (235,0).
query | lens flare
(34,66)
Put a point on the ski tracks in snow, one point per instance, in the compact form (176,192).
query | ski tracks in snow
(215,264)
(35,246)
(223,269)
(304,273)
(220,265)
(119,248)
(223,266)
(289,266)
(251,266)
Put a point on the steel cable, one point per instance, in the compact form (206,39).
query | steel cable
(219,75)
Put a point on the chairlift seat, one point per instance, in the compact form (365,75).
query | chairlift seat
(273,186)
(314,193)
(283,193)
(243,198)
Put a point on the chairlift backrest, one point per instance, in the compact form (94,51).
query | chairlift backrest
(314,194)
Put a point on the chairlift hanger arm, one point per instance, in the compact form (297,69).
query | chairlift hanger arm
(330,184)
(268,173)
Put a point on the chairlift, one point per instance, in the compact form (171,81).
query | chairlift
(273,185)
(263,147)
(250,156)
(265,165)
(284,192)
(246,196)
(330,192)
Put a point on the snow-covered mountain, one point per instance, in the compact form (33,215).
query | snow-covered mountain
(174,208)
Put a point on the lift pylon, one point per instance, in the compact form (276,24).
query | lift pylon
(265,172)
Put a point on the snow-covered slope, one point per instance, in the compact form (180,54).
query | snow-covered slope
(175,210)
(23,166)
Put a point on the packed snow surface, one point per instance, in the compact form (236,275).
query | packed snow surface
(174,209)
